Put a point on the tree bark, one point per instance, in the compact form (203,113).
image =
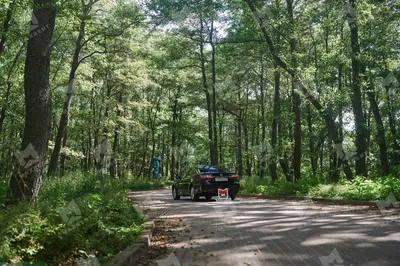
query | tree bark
(173,137)
(296,99)
(381,139)
(214,94)
(340,89)
(361,131)
(63,156)
(274,130)
(221,139)
(313,151)
(239,145)
(263,124)
(246,138)
(392,126)
(27,175)
(208,96)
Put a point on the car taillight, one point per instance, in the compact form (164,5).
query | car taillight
(234,177)
(207,177)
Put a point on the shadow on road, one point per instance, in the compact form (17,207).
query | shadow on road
(275,232)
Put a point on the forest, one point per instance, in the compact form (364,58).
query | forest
(282,92)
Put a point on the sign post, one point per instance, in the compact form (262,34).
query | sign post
(156,167)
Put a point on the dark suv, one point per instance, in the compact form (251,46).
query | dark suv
(205,182)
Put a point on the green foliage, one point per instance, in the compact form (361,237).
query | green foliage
(107,221)
(255,185)
(358,189)
(366,189)
(135,184)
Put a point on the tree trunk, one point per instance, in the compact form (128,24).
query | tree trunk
(257,139)
(163,156)
(340,88)
(173,138)
(381,139)
(142,170)
(246,139)
(239,145)
(253,137)
(63,155)
(263,124)
(64,120)
(313,151)
(213,160)
(221,138)
(274,130)
(214,95)
(361,131)
(392,126)
(27,175)
(296,99)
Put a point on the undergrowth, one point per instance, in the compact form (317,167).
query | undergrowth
(359,188)
(75,217)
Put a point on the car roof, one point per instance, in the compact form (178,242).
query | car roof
(213,168)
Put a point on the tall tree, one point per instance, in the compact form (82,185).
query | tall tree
(209,97)
(296,98)
(214,80)
(359,121)
(275,121)
(27,174)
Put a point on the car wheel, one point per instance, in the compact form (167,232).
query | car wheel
(232,196)
(193,195)
(175,193)
(208,197)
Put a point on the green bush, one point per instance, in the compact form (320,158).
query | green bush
(106,221)
(366,189)
(135,184)
(255,185)
(358,189)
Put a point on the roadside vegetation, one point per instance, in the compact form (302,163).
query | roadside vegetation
(360,188)
(74,217)
(135,184)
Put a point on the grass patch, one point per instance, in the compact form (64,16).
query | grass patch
(358,189)
(75,217)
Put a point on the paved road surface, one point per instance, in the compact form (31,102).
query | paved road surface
(250,231)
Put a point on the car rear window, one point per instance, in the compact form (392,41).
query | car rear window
(213,169)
